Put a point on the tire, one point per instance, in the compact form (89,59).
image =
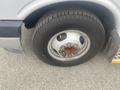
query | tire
(57,21)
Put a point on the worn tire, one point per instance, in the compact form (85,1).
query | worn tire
(57,21)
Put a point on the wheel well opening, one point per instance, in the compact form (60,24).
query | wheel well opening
(105,15)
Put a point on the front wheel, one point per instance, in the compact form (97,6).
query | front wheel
(68,37)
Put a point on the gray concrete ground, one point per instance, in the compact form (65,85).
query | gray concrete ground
(20,72)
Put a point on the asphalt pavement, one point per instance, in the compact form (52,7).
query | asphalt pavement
(26,72)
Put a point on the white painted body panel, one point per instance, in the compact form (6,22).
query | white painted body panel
(20,9)
(9,9)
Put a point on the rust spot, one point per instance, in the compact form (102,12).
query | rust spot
(69,51)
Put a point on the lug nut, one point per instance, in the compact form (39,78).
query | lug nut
(63,54)
(69,45)
(62,48)
(75,46)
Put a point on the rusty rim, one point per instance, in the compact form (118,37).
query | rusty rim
(69,45)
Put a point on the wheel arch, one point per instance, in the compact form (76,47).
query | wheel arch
(104,10)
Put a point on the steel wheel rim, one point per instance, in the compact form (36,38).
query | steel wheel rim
(68,45)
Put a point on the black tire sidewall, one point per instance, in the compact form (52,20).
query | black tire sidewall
(43,34)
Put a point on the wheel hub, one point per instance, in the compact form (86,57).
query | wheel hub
(69,50)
